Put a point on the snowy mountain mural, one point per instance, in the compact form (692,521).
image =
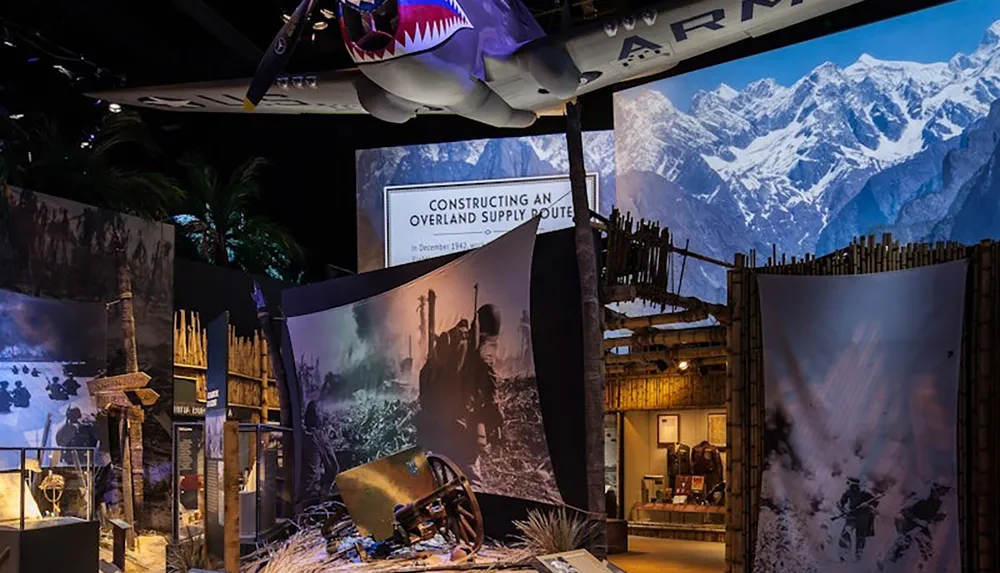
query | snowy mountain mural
(476,160)
(863,146)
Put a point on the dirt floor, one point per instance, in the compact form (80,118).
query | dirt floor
(649,555)
(149,556)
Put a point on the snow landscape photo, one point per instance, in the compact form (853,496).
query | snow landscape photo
(892,127)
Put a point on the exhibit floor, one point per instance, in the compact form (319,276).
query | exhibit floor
(650,555)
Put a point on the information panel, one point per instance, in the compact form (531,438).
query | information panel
(426,221)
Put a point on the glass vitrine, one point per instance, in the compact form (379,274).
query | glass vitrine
(43,487)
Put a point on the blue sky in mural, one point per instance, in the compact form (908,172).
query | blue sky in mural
(933,35)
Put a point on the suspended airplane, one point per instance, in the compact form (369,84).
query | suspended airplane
(487,60)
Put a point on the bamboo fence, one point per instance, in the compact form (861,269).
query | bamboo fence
(251,380)
(665,392)
(979,401)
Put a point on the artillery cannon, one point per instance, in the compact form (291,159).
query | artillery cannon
(410,497)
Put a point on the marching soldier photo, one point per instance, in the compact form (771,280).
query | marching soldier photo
(857,510)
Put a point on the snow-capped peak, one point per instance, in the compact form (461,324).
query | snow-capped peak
(725,92)
(867,59)
(992,35)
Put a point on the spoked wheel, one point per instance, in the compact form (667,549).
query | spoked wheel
(465,520)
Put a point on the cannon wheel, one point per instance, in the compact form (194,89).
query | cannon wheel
(465,520)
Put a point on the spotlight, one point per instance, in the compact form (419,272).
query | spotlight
(8,43)
(16,116)
(682,365)
(114,108)
(320,25)
(311,81)
(328,14)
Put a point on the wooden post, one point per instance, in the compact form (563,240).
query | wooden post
(231,482)
(124,436)
(593,333)
(120,531)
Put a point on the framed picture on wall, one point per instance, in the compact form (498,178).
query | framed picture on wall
(668,429)
(717,430)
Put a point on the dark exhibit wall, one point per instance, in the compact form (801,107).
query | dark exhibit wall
(415,175)
(557,348)
(890,127)
(64,250)
(211,290)
(860,438)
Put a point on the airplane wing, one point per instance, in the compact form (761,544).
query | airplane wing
(655,39)
(330,92)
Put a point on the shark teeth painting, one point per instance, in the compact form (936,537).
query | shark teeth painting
(380,31)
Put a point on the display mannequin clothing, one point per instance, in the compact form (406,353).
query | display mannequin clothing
(678,462)
(706,460)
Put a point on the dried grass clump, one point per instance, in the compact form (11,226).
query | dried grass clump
(186,555)
(303,552)
(554,531)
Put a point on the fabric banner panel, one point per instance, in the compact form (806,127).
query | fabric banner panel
(444,362)
(861,377)
(49,350)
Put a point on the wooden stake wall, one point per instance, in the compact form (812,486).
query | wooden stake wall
(979,395)
(664,392)
(251,381)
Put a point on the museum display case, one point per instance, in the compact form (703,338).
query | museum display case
(47,500)
(674,479)
(265,487)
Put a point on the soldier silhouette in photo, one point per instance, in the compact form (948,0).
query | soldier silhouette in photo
(21,396)
(24,370)
(15,369)
(6,400)
(71,386)
(915,520)
(75,432)
(56,390)
(482,421)
(857,509)
(34,372)
(320,465)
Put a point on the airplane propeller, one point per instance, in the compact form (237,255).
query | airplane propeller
(278,54)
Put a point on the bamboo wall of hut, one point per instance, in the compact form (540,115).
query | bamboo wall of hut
(664,392)
(979,395)
(251,379)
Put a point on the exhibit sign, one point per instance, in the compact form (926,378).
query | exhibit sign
(426,221)
(861,377)
(444,362)
(216,409)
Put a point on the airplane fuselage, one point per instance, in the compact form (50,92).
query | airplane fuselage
(417,57)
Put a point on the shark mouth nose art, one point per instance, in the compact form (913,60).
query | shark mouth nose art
(379,31)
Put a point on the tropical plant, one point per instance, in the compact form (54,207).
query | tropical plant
(106,166)
(553,531)
(216,216)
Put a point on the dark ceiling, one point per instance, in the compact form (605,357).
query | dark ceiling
(55,49)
